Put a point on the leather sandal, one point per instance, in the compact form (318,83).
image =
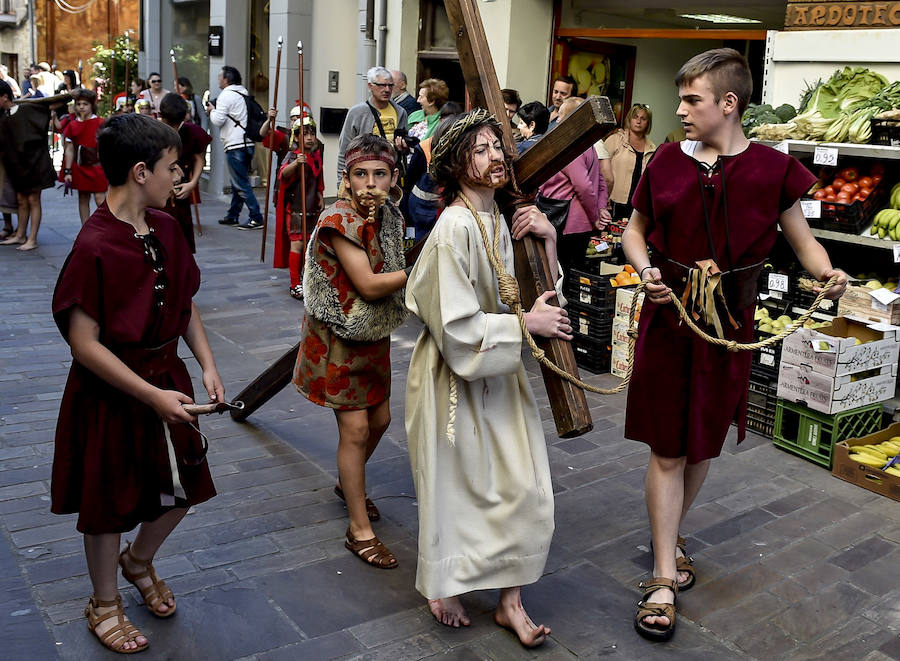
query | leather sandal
(651,609)
(686,565)
(371,511)
(371,551)
(154,594)
(117,636)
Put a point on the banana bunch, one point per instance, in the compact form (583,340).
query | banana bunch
(885,224)
(895,197)
(877,456)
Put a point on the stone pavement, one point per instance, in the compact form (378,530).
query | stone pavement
(792,563)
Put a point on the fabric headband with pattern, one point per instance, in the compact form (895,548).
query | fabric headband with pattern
(358,155)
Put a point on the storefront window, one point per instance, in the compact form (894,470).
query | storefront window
(190,24)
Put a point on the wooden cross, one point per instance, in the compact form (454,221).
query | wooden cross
(571,137)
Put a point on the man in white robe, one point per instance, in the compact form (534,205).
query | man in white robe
(476,444)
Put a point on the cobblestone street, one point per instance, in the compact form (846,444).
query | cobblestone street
(792,563)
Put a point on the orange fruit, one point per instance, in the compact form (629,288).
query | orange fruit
(623,278)
(629,268)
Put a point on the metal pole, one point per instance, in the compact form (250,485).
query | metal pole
(262,248)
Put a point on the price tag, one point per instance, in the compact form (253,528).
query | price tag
(782,147)
(778,282)
(825,156)
(811,208)
(896,248)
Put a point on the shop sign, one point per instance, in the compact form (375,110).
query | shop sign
(841,15)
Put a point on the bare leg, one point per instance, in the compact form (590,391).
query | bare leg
(102,554)
(22,221)
(84,206)
(34,204)
(99,198)
(379,420)
(511,615)
(449,611)
(353,428)
(150,537)
(7,226)
(665,500)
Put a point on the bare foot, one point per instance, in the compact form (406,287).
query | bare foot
(28,245)
(449,611)
(106,625)
(660,596)
(13,240)
(512,616)
(135,567)
(682,577)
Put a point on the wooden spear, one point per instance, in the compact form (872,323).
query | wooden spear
(194,194)
(262,248)
(302,153)
(80,73)
(127,71)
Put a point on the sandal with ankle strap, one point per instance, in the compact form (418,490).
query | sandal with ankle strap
(371,551)
(651,609)
(371,511)
(686,565)
(154,594)
(119,635)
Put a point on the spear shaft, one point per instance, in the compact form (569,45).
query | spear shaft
(302,152)
(262,248)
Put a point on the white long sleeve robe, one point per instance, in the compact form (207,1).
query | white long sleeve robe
(485,501)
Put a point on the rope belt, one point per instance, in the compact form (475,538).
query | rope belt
(509,295)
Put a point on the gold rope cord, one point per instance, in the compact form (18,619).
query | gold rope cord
(509,295)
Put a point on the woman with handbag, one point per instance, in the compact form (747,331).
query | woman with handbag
(574,199)
(81,167)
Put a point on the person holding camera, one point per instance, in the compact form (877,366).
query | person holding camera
(378,115)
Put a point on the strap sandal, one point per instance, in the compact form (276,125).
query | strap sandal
(297,292)
(371,551)
(646,608)
(117,636)
(154,594)
(371,510)
(686,565)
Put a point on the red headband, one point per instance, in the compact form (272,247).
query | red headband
(358,155)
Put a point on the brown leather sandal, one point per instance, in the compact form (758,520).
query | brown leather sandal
(154,594)
(371,511)
(686,565)
(650,609)
(371,551)
(119,635)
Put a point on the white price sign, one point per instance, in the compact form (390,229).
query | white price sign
(782,147)
(896,247)
(778,282)
(825,156)
(811,208)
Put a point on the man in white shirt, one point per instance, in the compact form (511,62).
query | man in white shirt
(230,115)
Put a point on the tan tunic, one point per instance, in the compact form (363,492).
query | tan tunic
(485,501)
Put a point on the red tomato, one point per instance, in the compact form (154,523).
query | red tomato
(856,198)
(819,194)
(844,197)
(865,182)
(849,188)
(837,183)
(849,174)
(863,193)
(829,190)
(830,198)
(876,179)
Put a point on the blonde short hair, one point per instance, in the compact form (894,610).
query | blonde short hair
(637,107)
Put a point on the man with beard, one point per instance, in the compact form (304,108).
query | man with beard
(476,444)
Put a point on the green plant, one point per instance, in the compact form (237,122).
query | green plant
(109,66)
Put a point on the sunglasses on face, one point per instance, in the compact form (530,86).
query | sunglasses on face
(383,85)
(156,81)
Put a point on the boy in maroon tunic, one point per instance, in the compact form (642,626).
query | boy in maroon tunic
(126,452)
(173,111)
(713,196)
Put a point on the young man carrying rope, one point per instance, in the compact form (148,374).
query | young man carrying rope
(709,208)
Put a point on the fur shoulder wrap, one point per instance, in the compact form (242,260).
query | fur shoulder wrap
(367,321)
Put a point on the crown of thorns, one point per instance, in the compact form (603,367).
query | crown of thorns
(451,137)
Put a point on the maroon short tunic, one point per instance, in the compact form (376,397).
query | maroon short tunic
(685,392)
(87,173)
(194,141)
(111,462)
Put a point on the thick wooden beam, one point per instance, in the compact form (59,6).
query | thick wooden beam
(568,403)
(266,385)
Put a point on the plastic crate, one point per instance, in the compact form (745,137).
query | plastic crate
(592,355)
(766,359)
(590,322)
(885,132)
(812,435)
(761,404)
(589,289)
(852,218)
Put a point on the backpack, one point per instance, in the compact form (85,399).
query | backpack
(256,117)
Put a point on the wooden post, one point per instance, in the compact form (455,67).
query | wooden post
(303,152)
(262,247)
